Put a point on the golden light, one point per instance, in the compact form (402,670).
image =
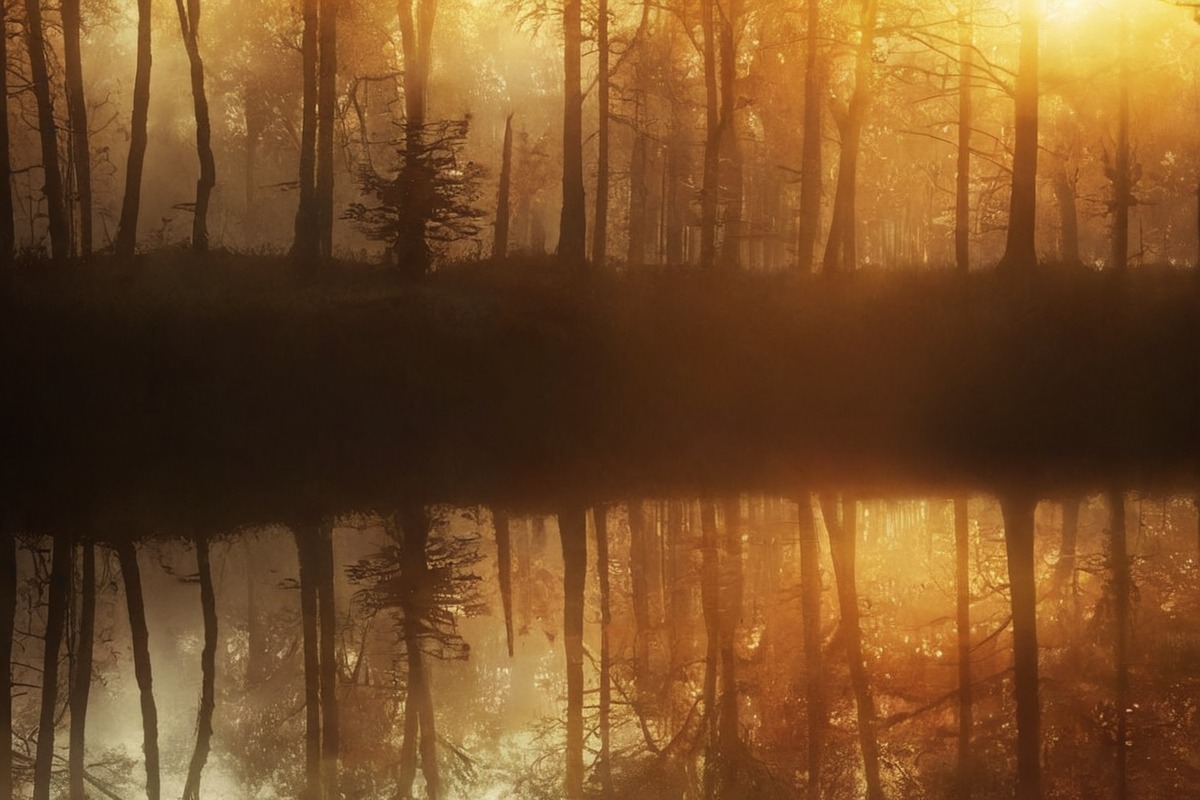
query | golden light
(1068,12)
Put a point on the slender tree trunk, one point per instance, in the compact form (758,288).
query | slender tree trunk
(711,178)
(500,245)
(327,617)
(1020,253)
(962,584)
(77,108)
(841,253)
(1120,173)
(1018,540)
(962,203)
(130,206)
(1121,585)
(429,760)
(412,716)
(1064,570)
(640,592)
(843,536)
(127,556)
(730,149)
(81,680)
(572,526)
(810,164)
(312,668)
(1064,194)
(305,244)
(8,234)
(60,584)
(636,253)
(326,106)
(504,563)
(600,517)
(810,603)
(710,599)
(189,24)
(208,671)
(415,210)
(730,605)
(8,612)
(600,229)
(573,224)
(60,236)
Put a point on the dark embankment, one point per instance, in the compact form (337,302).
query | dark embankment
(233,392)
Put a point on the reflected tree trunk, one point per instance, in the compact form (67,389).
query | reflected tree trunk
(8,612)
(35,39)
(604,764)
(810,602)
(730,609)
(710,587)
(327,618)
(81,679)
(572,527)
(962,585)
(1018,512)
(127,556)
(56,616)
(504,565)
(208,671)
(420,731)
(1121,586)
(640,589)
(312,669)
(841,524)
(131,204)
(81,153)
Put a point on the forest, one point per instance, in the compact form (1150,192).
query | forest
(690,399)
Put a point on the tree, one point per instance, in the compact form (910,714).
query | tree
(305,243)
(810,168)
(962,586)
(326,111)
(8,611)
(208,671)
(130,205)
(572,526)
(1020,253)
(604,82)
(60,586)
(810,602)
(572,229)
(35,38)
(81,678)
(136,607)
(600,519)
(962,195)
(189,25)
(81,153)
(503,203)
(1018,509)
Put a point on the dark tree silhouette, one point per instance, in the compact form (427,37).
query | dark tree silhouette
(962,585)
(1020,253)
(208,671)
(503,201)
(56,615)
(81,153)
(189,24)
(572,526)
(1018,511)
(810,165)
(962,183)
(603,137)
(572,230)
(8,234)
(604,762)
(305,242)
(35,39)
(814,679)
(326,113)
(131,203)
(136,606)
(81,678)
(8,611)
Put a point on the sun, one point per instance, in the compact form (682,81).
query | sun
(1068,12)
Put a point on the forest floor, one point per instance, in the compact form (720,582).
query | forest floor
(233,389)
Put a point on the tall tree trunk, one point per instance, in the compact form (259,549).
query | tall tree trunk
(1121,586)
(504,564)
(810,604)
(412,719)
(636,254)
(1120,175)
(1064,569)
(189,25)
(420,733)
(312,667)
(1017,510)
(500,244)
(841,252)
(1064,194)
(711,177)
(842,527)
(327,617)
(1020,253)
(730,605)
(255,124)
(962,202)
(572,223)
(640,598)
(604,764)
(429,761)
(572,527)
(962,585)
(326,106)
(305,244)
(731,154)
(81,680)
(411,248)
(208,671)
(810,164)
(131,204)
(56,213)
(674,206)
(81,152)
(8,234)
(127,556)
(600,229)
(60,585)
(8,611)
(710,600)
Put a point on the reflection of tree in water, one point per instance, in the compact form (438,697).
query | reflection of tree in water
(423,577)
